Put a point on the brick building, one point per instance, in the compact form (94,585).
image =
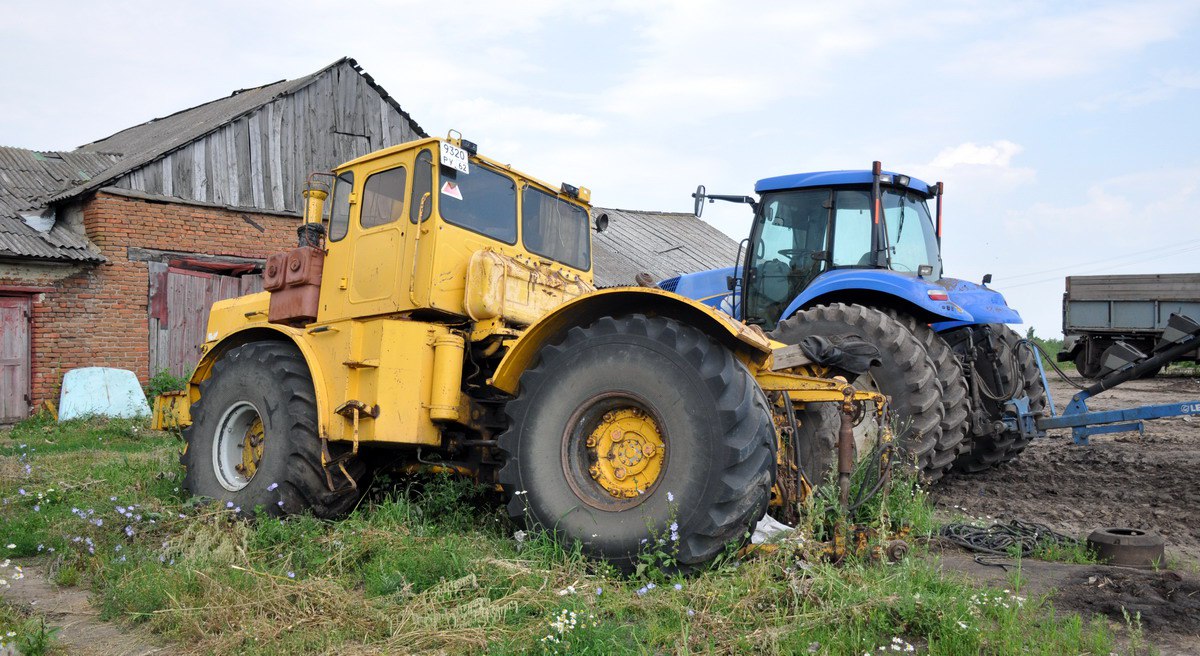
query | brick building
(112,254)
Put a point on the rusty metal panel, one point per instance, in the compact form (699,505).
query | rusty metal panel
(14,358)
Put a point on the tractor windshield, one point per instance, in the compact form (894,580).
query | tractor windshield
(911,236)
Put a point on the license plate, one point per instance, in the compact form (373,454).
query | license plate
(455,158)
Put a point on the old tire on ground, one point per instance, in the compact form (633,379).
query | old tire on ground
(268,383)
(655,383)
(907,375)
(1019,372)
(955,440)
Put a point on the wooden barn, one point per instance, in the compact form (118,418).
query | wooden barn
(112,254)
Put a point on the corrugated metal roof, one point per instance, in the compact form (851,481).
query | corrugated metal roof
(142,144)
(28,179)
(661,244)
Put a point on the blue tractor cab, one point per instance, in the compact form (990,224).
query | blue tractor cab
(837,253)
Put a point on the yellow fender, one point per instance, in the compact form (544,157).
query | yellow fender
(748,343)
(260,332)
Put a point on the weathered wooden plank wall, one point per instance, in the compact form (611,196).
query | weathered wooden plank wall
(262,160)
(178,312)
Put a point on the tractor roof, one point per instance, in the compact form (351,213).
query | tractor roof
(831,178)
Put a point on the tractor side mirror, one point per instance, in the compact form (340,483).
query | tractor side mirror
(601,222)
(987,278)
(698,207)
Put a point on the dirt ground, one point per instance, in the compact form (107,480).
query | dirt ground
(1148,482)
(80,629)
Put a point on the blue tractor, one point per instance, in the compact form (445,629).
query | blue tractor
(839,254)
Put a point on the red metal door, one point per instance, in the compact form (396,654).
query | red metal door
(14,358)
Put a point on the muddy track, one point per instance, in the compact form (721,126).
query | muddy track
(1148,482)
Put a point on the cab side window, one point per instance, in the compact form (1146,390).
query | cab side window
(422,185)
(339,208)
(383,197)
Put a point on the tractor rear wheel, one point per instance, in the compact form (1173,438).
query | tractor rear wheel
(1018,374)
(253,441)
(956,421)
(636,429)
(907,375)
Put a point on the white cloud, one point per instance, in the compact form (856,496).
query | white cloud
(978,169)
(1163,86)
(997,153)
(1056,46)
(491,119)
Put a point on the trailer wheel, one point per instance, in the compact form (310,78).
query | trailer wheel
(1088,367)
(956,404)
(253,441)
(907,375)
(635,429)
(1018,370)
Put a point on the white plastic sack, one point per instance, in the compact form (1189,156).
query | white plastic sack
(769,528)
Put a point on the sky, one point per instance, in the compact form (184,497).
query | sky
(1067,133)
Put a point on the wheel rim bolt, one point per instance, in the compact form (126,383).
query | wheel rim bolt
(648,450)
(619,473)
(591,442)
(617,435)
(594,471)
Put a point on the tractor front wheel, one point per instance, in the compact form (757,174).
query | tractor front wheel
(253,441)
(638,434)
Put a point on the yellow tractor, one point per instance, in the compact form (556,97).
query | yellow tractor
(440,314)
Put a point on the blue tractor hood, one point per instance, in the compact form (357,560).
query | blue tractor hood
(985,305)
(967,302)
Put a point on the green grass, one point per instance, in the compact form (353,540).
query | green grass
(431,564)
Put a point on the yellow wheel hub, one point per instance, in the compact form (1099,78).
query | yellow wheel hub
(252,449)
(627,452)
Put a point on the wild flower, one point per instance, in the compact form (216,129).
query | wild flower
(670,497)
(678,586)
(272,486)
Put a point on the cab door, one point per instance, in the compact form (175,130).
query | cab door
(369,261)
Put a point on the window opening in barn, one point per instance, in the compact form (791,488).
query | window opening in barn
(422,196)
(483,201)
(339,208)
(383,197)
(555,228)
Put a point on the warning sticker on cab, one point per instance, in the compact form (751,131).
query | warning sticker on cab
(455,158)
(451,189)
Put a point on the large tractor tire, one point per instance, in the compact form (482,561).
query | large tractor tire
(816,441)
(907,375)
(634,429)
(956,401)
(253,440)
(1018,373)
